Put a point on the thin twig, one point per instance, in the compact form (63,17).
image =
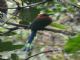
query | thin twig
(39,54)
(34,4)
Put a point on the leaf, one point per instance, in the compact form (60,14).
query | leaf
(2,29)
(73,1)
(73,44)
(70,9)
(7,34)
(8,46)
(59,26)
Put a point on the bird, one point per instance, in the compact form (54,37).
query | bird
(39,23)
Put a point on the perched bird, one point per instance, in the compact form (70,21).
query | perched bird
(40,22)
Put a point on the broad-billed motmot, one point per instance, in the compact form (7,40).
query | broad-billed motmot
(40,22)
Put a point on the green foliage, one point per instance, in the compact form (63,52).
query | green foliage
(7,34)
(2,29)
(14,57)
(74,1)
(59,26)
(28,15)
(8,46)
(70,9)
(73,44)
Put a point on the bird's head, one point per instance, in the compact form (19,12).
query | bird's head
(43,16)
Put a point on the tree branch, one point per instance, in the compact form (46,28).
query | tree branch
(59,31)
(17,26)
(34,4)
(39,54)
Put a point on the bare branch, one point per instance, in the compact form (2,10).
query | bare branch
(34,4)
(17,26)
(39,54)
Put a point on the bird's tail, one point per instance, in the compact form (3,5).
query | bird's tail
(28,45)
(31,37)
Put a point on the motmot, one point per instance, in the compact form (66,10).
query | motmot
(39,23)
